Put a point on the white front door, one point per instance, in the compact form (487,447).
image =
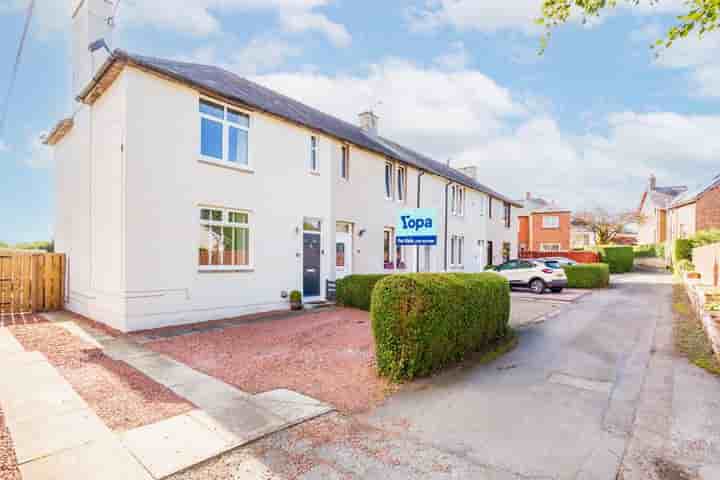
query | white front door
(343,254)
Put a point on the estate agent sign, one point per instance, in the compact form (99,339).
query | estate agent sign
(417,226)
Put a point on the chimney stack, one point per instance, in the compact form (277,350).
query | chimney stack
(471,171)
(528,196)
(652,183)
(91,29)
(369,122)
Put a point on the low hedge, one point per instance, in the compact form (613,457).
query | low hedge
(620,259)
(650,251)
(588,275)
(423,322)
(682,250)
(356,290)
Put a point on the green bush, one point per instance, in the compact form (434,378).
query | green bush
(620,259)
(684,266)
(705,237)
(588,275)
(650,251)
(423,322)
(682,250)
(356,290)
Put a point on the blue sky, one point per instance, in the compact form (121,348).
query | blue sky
(583,125)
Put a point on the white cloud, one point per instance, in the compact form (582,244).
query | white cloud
(4,146)
(697,56)
(494,15)
(457,58)
(193,17)
(518,146)
(263,54)
(304,21)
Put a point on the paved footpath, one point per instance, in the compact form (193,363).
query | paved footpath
(58,436)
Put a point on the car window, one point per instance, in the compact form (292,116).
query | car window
(526,265)
(508,265)
(554,264)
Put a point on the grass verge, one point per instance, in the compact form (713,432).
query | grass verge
(690,338)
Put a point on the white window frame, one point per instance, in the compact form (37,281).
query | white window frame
(391,252)
(225,223)
(344,172)
(481,205)
(226,124)
(507,214)
(550,247)
(314,154)
(457,251)
(457,201)
(401,177)
(389,179)
(555,225)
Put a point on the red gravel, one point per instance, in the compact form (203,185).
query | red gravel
(122,397)
(327,355)
(8,461)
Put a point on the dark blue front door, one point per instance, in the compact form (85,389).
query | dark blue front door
(311,265)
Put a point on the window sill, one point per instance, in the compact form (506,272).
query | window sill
(225,269)
(224,164)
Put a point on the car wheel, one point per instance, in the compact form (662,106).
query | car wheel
(537,286)
(557,290)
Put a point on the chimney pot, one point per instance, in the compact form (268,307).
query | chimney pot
(471,171)
(369,122)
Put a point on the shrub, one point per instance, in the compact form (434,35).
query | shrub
(684,266)
(620,259)
(356,290)
(650,251)
(682,250)
(589,275)
(705,237)
(423,322)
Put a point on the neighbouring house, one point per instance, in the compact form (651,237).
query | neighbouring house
(581,237)
(543,226)
(653,212)
(695,210)
(186,193)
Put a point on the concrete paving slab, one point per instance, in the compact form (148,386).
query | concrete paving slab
(287,396)
(164,370)
(293,413)
(173,445)
(246,421)
(12,360)
(567,295)
(124,349)
(102,459)
(525,312)
(209,391)
(76,330)
(41,437)
(8,342)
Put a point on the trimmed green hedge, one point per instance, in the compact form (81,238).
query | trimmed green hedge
(423,322)
(620,259)
(682,250)
(588,275)
(356,290)
(650,251)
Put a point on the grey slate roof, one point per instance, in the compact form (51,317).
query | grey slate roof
(236,88)
(692,195)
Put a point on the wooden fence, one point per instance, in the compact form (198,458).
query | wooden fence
(579,257)
(707,262)
(31,282)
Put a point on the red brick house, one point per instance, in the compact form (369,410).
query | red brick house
(694,211)
(543,226)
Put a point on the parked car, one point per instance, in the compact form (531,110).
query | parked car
(563,261)
(537,275)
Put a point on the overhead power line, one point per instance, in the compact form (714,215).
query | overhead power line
(16,67)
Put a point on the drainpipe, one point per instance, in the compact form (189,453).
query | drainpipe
(445,243)
(417,249)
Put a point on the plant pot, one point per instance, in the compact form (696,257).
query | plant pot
(296,306)
(693,275)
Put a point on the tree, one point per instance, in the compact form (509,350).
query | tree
(41,245)
(703,16)
(604,224)
(4,245)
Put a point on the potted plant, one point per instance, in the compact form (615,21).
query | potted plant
(296,302)
(714,309)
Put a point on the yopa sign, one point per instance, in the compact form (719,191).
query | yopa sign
(417,226)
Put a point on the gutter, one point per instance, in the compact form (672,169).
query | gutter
(417,250)
(445,243)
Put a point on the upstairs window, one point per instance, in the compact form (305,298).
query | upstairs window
(457,200)
(389,181)
(490,207)
(401,184)
(551,222)
(507,214)
(314,155)
(345,162)
(224,133)
(224,240)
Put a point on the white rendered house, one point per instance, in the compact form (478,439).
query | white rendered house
(186,193)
